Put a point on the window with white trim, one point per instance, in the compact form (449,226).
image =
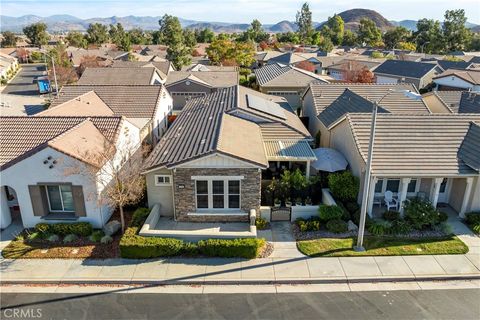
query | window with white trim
(60,198)
(217,194)
(163,180)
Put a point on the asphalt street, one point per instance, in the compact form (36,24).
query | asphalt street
(434,304)
(23,83)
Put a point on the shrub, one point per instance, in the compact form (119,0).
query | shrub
(344,186)
(444,228)
(302,225)
(337,226)
(53,238)
(391,215)
(379,227)
(261,223)
(356,219)
(442,217)
(476,228)
(421,214)
(327,213)
(139,217)
(352,207)
(106,240)
(42,228)
(313,225)
(96,236)
(81,229)
(69,238)
(242,248)
(473,217)
(34,236)
(134,246)
(401,227)
(345,213)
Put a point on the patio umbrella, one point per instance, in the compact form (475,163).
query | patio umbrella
(329,160)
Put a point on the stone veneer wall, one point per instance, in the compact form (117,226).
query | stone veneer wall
(250,193)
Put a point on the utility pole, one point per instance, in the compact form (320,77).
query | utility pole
(54,76)
(366,182)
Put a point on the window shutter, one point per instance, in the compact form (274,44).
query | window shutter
(79,201)
(39,200)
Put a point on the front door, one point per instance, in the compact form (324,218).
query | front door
(443,193)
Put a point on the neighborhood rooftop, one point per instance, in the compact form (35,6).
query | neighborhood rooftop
(418,145)
(470,76)
(117,76)
(129,101)
(409,69)
(393,96)
(163,66)
(279,75)
(469,103)
(24,136)
(216,79)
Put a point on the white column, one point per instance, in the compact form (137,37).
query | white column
(466,197)
(403,192)
(371,196)
(435,191)
(307,170)
(5,216)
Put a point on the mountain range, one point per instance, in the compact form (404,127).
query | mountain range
(65,23)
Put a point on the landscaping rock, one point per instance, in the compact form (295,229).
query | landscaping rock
(352,226)
(112,227)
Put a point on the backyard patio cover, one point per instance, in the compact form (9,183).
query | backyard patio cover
(288,150)
(329,160)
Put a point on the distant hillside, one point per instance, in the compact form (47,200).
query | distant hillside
(283,26)
(409,24)
(352,18)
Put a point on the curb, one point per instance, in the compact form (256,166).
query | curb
(459,277)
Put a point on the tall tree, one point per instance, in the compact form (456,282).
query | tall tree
(304,22)
(255,33)
(119,37)
(429,36)
(37,34)
(64,70)
(97,34)
(394,36)
(205,35)
(227,52)
(76,39)
(9,39)
(368,33)
(171,34)
(334,29)
(190,39)
(456,35)
(350,38)
(137,36)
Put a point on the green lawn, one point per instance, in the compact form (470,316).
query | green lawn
(381,246)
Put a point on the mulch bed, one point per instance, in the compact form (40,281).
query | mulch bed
(267,250)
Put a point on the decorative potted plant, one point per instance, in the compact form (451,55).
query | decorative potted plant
(288,203)
(277,202)
(308,201)
(298,201)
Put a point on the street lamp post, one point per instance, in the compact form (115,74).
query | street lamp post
(366,182)
(54,72)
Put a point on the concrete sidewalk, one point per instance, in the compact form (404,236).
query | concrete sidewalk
(229,271)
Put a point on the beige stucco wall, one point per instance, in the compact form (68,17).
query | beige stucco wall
(342,140)
(474,203)
(292,98)
(162,195)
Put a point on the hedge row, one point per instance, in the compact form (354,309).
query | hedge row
(133,246)
(81,229)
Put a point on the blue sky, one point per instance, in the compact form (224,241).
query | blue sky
(267,11)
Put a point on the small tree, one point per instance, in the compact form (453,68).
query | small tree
(9,39)
(116,172)
(344,186)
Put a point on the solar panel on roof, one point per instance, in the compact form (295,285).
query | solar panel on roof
(265,106)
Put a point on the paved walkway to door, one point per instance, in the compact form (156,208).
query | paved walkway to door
(281,236)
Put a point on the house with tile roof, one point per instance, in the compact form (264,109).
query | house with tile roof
(43,165)
(445,101)
(453,79)
(325,104)
(121,76)
(286,81)
(209,165)
(400,71)
(431,156)
(145,106)
(197,82)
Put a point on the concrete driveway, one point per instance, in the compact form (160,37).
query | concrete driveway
(20,97)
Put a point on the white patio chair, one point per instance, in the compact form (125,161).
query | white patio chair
(390,202)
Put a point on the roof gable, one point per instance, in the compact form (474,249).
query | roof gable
(87,104)
(469,150)
(402,68)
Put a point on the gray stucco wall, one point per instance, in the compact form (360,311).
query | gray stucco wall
(162,195)
(250,189)
(179,101)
